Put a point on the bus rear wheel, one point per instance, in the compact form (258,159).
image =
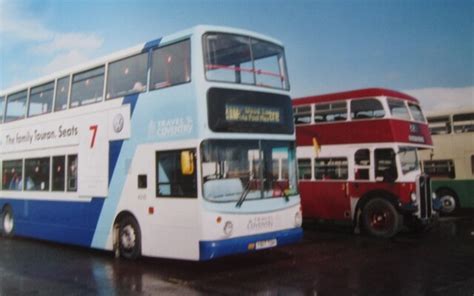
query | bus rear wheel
(129,238)
(7,222)
(380,218)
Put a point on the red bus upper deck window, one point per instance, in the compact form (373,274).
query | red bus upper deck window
(366,109)
(416,113)
(329,112)
(398,109)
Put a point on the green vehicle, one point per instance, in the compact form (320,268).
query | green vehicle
(451,162)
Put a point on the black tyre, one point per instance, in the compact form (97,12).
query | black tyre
(129,238)
(449,202)
(7,220)
(380,218)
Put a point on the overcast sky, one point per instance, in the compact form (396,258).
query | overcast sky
(423,47)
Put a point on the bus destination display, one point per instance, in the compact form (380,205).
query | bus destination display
(243,111)
(247,113)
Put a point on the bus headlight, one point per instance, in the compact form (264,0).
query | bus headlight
(413,197)
(298,219)
(228,227)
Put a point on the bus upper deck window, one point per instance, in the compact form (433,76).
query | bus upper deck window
(463,123)
(439,125)
(41,99)
(16,106)
(398,109)
(1,108)
(366,109)
(302,114)
(171,65)
(242,59)
(228,58)
(416,113)
(87,87)
(329,112)
(62,92)
(127,76)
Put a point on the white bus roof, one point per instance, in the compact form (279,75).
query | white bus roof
(199,29)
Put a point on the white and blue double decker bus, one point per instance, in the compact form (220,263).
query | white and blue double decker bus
(182,147)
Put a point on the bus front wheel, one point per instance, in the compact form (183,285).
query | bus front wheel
(129,238)
(380,218)
(7,222)
(448,200)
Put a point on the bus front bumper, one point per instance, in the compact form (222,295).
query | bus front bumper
(214,249)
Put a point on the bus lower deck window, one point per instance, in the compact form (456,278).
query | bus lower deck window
(12,174)
(72,173)
(37,174)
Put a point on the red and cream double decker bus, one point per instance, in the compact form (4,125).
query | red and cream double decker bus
(358,159)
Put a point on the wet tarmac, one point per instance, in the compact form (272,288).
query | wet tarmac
(329,261)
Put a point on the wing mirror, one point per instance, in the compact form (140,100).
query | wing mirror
(187,162)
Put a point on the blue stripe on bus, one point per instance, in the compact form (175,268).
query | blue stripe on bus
(151,44)
(60,221)
(214,249)
(132,100)
(116,146)
(114,151)
(116,181)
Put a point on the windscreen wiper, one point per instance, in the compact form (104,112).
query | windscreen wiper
(244,194)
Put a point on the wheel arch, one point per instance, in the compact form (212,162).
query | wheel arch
(122,215)
(6,206)
(393,199)
(447,188)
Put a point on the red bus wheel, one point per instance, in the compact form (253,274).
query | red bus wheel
(380,218)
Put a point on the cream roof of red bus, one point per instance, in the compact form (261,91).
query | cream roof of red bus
(353,94)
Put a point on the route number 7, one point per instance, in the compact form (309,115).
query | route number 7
(93,128)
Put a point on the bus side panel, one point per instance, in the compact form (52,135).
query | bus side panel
(387,131)
(464,190)
(400,190)
(60,221)
(325,200)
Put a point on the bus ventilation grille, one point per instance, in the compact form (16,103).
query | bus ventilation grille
(424,189)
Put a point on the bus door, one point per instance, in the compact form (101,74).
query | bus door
(377,173)
(363,176)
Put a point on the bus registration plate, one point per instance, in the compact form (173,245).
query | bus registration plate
(265,244)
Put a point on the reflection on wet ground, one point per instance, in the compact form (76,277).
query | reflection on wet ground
(329,261)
